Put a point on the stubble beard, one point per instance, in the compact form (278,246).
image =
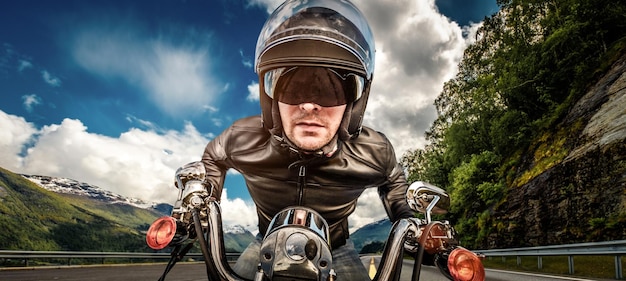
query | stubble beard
(310,140)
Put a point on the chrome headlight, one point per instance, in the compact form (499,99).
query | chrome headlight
(297,246)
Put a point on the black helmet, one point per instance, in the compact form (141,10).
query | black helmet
(316,33)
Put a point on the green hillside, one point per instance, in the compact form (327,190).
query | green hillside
(237,242)
(33,218)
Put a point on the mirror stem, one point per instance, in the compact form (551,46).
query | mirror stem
(430,207)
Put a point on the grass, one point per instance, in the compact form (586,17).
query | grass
(602,267)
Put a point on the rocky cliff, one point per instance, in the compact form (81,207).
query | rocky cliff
(573,185)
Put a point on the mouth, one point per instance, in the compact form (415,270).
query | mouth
(309,124)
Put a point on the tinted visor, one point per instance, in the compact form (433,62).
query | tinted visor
(320,85)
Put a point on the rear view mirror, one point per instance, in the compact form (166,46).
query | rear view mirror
(427,199)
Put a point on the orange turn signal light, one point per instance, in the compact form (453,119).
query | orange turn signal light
(464,265)
(161,232)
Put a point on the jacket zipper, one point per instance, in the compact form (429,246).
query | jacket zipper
(301,183)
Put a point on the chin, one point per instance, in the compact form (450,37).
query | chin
(310,145)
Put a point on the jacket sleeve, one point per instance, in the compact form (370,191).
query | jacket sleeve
(393,194)
(215,164)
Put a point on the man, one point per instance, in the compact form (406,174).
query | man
(315,61)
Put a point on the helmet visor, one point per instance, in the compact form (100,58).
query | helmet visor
(320,85)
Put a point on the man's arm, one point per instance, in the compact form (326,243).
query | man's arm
(393,194)
(213,160)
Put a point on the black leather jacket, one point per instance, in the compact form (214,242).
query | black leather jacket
(278,177)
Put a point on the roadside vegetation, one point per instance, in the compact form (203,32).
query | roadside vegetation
(528,67)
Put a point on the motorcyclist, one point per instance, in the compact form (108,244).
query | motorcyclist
(315,62)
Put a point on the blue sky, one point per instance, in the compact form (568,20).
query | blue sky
(121,93)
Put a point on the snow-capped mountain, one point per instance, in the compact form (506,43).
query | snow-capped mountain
(236,236)
(70,186)
(235,229)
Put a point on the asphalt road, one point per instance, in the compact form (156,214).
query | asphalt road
(196,272)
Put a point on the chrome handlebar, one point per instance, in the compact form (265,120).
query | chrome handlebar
(303,234)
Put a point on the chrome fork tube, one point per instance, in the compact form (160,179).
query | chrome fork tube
(210,265)
(213,249)
(391,260)
(216,243)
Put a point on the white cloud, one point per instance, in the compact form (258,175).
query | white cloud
(417,51)
(133,164)
(15,134)
(175,73)
(238,212)
(49,79)
(30,101)
(245,60)
(24,64)
(253,92)
(369,209)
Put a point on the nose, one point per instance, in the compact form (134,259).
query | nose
(309,106)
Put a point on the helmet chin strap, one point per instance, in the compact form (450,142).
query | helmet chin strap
(343,132)
(277,124)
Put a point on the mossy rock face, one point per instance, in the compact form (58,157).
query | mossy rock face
(575,177)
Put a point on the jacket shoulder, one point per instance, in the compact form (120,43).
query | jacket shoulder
(370,146)
(251,123)
(369,136)
(247,133)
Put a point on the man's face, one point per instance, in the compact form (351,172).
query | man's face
(311,102)
(310,126)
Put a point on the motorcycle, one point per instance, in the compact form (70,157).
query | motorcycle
(296,245)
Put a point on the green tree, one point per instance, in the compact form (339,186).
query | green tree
(530,63)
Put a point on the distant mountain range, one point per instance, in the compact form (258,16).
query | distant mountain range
(73,187)
(50,213)
(374,234)
(34,218)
